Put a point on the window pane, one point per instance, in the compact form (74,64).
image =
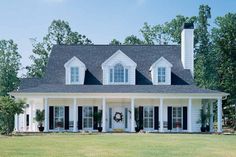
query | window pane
(74,74)
(111,75)
(126,75)
(161,74)
(118,73)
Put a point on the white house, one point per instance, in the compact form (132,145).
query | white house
(153,83)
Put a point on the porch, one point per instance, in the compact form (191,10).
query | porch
(124,113)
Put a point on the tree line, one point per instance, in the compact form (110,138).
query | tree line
(214,53)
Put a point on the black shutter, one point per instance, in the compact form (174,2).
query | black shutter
(141,117)
(66,117)
(169,114)
(80,116)
(51,117)
(95,122)
(156,118)
(27,120)
(185,118)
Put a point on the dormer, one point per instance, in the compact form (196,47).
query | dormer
(119,69)
(74,71)
(161,72)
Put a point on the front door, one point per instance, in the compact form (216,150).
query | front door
(118,119)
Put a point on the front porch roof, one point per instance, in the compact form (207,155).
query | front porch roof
(148,89)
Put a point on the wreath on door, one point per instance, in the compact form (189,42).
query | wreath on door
(118,117)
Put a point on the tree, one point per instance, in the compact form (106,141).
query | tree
(9,66)
(133,40)
(174,27)
(115,42)
(202,49)
(8,108)
(59,32)
(224,47)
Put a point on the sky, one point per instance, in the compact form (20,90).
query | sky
(99,20)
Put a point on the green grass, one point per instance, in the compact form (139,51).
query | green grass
(119,145)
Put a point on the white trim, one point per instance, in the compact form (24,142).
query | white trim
(219,115)
(103,114)
(132,129)
(114,55)
(122,95)
(189,122)
(161,115)
(158,61)
(46,112)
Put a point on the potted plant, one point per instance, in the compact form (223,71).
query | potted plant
(204,117)
(178,126)
(40,118)
(136,118)
(98,118)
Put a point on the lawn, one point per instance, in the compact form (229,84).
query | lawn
(119,145)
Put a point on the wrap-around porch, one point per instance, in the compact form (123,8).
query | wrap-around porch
(161,114)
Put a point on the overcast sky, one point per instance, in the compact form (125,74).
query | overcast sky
(99,20)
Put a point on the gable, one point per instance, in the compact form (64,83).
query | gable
(74,61)
(119,57)
(161,62)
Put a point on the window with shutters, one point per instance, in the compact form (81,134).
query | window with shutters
(177,117)
(88,117)
(59,117)
(148,117)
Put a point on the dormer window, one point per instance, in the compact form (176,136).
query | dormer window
(119,74)
(74,71)
(119,69)
(161,74)
(74,75)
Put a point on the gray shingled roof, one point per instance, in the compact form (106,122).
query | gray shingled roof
(52,88)
(94,55)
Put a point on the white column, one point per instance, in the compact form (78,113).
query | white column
(190,115)
(24,120)
(103,115)
(16,122)
(46,115)
(161,115)
(211,117)
(31,118)
(75,109)
(132,115)
(219,113)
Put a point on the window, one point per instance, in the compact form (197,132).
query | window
(118,74)
(59,117)
(177,117)
(161,74)
(88,117)
(148,117)
(74,74)
(27,120)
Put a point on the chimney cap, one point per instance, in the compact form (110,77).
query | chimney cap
(188,26)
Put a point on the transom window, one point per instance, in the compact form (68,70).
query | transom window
(118,74)
(59,117)
(161,74)
(177,117)
(88,117)
(74,74)
(148,117)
